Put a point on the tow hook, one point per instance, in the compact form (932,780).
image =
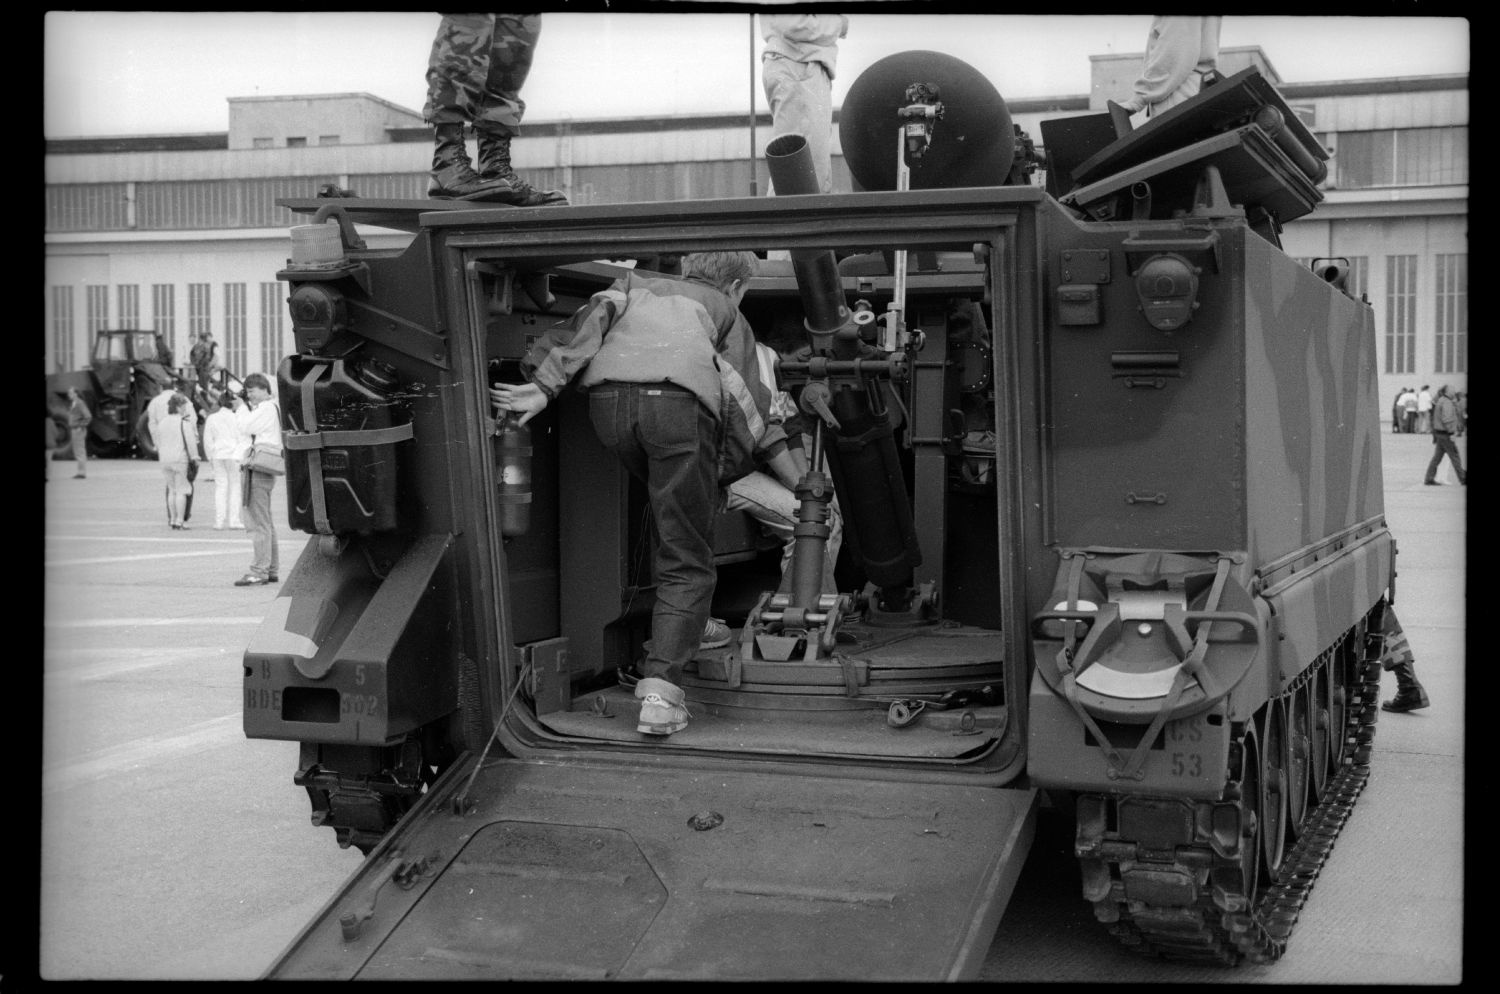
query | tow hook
(405,872)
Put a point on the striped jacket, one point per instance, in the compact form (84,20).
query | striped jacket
(683,331)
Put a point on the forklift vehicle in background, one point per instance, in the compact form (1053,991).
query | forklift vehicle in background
(128,367)
(1108,466)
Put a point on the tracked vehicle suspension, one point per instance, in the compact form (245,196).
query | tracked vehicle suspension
(1207,902)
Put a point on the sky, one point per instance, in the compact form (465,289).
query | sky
(140,73)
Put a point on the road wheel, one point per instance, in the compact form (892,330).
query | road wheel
(1250,821)
(1273,788)
(1299,757)
(1321,729)
(1337,672)
(143,440)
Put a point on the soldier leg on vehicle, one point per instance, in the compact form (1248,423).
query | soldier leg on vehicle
(801,99)
(500,108)
(456,71)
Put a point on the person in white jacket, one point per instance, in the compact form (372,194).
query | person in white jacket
(259,421)
(222,444)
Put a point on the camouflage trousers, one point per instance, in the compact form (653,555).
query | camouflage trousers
(1397,657)
(477,67)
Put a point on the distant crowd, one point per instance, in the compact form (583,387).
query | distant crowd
(1411,414)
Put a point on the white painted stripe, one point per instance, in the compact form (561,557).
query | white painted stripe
(132,755)
(124,661)
(237,550)
(243,619)
(100,560)
(235,535)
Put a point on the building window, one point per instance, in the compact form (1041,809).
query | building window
(96,314)
(128,295)
(1452,322)
(1400,314)
(199,319)
(296,143)
(62,328)
(272,309)
(235,351)
(263,143)
(328,139)
(164,315)
(1402,157)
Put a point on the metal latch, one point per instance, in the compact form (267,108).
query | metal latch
(405,872)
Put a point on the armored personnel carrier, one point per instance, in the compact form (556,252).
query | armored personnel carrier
(1110,474)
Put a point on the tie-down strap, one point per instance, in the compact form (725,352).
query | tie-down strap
(311,441)
(1105,628)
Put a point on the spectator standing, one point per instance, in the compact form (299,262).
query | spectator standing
(1409,410)
(1424,410)
(797,67)
(79,418)
(475,71)
(259,422)
(156,415)
(1444,424)
(674,391)
(222,445)
(1181,52)
(177,451)
(1396,414)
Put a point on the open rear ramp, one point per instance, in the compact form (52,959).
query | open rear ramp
(573,871)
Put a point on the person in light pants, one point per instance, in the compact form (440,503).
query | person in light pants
(222,444)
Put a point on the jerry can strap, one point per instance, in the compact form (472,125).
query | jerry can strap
(312,441)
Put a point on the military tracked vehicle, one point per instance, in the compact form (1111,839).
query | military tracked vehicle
(1109,465)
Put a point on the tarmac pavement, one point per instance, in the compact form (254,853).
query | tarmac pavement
(173,847)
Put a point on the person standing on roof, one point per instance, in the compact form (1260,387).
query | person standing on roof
(474,76)
(1181,52)
(797,66)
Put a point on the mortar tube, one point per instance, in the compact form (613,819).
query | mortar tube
(829,322)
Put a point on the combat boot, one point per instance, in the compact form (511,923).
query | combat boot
(663,707)
(1407,699)
(453,176)
(494,166)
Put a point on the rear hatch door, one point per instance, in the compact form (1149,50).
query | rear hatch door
(572,870)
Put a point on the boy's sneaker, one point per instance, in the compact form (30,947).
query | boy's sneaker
(716,634)
(663,707)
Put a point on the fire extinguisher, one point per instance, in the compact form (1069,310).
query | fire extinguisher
(513,465)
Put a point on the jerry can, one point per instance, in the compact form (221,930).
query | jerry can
(342,420)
